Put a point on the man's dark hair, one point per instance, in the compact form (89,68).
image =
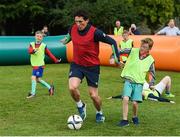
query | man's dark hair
(81,13)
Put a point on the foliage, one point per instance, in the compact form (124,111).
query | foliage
(58,14)
(155,12)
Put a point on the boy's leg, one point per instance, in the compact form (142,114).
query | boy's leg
(125,107)
(136,97)
(135,108)
(39,76)
(135,111)
(50,87)
(33,85)
(127,91)
(44,83)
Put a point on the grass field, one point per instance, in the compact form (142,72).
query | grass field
(44,115)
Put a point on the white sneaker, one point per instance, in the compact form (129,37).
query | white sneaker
(30,96)
(172,102)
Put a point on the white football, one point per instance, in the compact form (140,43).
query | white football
(74,122)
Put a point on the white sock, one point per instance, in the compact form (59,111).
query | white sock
(100,112)
(79,104)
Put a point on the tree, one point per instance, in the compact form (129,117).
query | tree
(13,11)
(106,12)
(155,12)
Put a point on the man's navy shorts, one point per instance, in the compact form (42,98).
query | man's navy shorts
(90,73)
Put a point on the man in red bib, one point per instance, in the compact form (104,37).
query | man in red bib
(85,39)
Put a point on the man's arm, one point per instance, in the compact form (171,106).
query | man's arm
(178,31)
(162,31)
(101,36)
(67,39)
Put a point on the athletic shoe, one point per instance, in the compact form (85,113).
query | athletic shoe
(135,120)
(172,102)
(51,90)
(170,95)
(30,96)
(82,111)
(100,118)
(109,97)
(123,123)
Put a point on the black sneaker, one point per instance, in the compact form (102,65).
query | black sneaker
(51,90)
(30,95)
(123,123)
(135,120)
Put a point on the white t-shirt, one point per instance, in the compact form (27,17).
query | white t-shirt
(170,31)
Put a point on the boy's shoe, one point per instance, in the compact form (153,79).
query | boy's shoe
(170,95)
(100,118)
(123,123)
(82,111)
(30,96)
(172,102)
(51,90)
(135,120)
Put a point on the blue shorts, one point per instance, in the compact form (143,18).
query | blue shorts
(38,72)
(91,73)
(133,91)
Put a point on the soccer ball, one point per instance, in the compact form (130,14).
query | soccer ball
(74,122)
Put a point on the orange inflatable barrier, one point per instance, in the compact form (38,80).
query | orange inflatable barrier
(166,51)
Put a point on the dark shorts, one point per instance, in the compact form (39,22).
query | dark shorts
(38,72)
(90,73)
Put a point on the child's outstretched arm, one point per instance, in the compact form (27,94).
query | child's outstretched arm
(48,52)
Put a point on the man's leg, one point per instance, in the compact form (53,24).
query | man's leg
(74,83)
(93,91)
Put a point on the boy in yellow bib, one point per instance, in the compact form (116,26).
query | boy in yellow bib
(126,43)
(138,64)
(37,51)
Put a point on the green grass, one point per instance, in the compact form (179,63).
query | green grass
(44,115)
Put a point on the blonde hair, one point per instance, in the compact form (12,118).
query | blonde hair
(39,32)
(149,41)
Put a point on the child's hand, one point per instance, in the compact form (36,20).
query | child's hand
(58,61)
(152,87)
(35,50)
(112,61)
(120,64)
(63,40)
